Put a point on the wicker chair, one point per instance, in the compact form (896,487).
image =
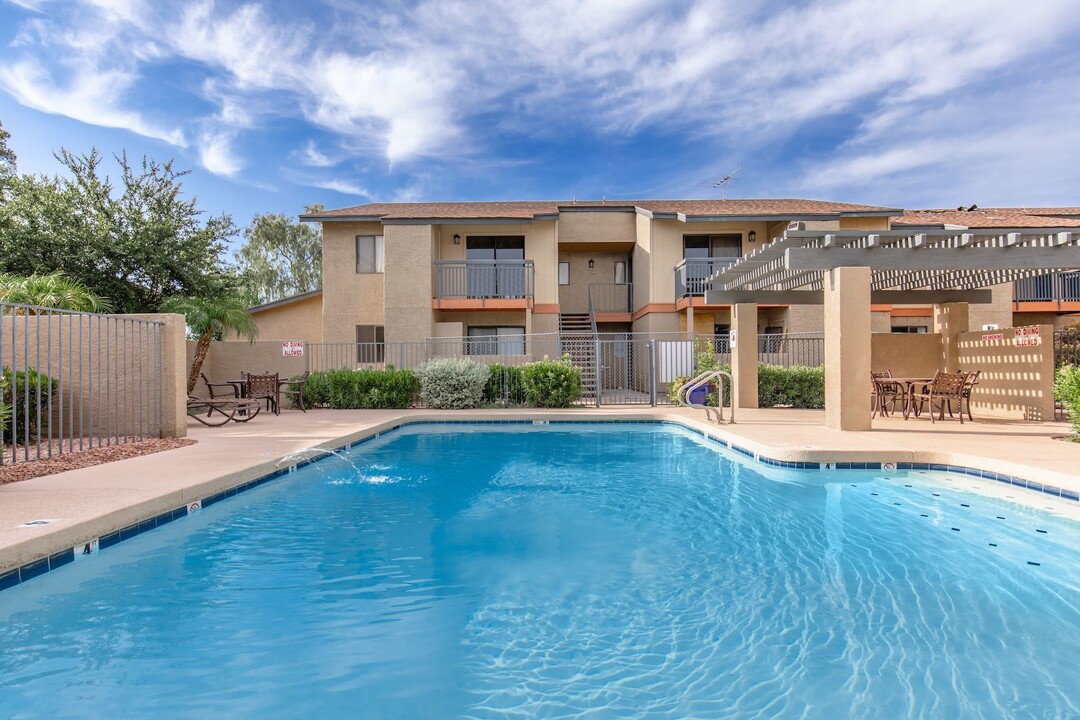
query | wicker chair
(939,394)
(885,393)
(265,387)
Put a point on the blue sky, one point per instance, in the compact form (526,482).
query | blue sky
(277,104)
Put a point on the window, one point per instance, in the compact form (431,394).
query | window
(370,346)
(920,329)
(496,266)
(718,246)
(495,341)
(369,254)
(721,338)
(620,272)
(564,273)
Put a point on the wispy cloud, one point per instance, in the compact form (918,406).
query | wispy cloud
(397,87)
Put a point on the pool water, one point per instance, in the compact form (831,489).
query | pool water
(568,571)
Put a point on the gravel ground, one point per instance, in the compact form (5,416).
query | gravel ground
(73,459)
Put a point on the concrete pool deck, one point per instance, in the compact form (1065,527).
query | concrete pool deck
(91,502)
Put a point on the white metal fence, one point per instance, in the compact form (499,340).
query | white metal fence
(74,381)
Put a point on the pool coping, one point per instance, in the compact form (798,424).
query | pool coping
(51,550)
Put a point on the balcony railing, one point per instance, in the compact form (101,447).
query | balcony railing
(692,274)
(1057,287)
(499,279)
(611,297)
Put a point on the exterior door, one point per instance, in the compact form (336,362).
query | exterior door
(490,279)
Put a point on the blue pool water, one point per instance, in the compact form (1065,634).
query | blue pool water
(607,571)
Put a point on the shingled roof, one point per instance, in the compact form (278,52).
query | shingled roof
(991,218)
(528,210)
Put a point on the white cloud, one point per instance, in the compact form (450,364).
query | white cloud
(310,155)
(91,95)
(217,155)
(345,187)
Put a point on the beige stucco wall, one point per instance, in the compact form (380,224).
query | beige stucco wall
(906,354)
(349,299)
(864,223)
(643,261)
(409,252)
(880,322)
(598,227)
(666,250)
(1058,321)
(999,312)
(1016,381)
(300,320)
(574,298)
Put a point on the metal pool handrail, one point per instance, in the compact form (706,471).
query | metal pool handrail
(701,380)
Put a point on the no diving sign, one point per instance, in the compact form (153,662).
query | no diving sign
(292,348)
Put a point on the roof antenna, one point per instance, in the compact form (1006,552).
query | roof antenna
(722,182)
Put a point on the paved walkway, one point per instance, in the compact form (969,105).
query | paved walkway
(90,502)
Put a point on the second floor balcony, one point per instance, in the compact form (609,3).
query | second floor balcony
(484,280)
(692,274)
(1057,287)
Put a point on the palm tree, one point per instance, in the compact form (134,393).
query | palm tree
(51,290)
(209,319)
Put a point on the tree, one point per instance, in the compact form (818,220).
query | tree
(280,257)
(8,166)
(54,290)
(209,319)
(136,243)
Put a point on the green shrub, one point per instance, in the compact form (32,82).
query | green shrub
(505,384)
(21,395)
(551,383)
(5,408)
(361,389)
(1067,392)
(452,383)
(796,386)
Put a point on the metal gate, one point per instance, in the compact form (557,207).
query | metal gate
(626,372)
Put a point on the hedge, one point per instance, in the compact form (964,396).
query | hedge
(1067,392)
(552,383)
(796,386)
(505,384)
(361,389)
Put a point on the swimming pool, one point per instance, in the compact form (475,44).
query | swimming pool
(608,570)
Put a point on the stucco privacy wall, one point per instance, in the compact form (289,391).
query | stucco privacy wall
(351,298)
(1017,365)
(905,354)
(114,373)
(227,360)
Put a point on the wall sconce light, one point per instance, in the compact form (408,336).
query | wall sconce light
(457,239)
(592,263)
(752,237)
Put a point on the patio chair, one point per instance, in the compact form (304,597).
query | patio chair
(971,379)
(265,387)
(219,389)
(939,393)
(885,393)
(235,409)
(295,390)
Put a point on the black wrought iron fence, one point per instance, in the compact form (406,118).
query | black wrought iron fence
(73,381)
(1067,346)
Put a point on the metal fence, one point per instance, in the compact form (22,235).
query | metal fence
(1067,346)
(74,381)
(616,368)
(1055,287)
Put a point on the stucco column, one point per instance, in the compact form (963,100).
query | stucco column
(690,315)
(847,348)
(950,320)
(744,355)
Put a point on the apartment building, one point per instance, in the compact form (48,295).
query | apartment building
(492,271)
(403,272)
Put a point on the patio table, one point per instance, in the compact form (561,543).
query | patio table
(910,384)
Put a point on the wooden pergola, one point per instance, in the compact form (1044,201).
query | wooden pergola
(847,271)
